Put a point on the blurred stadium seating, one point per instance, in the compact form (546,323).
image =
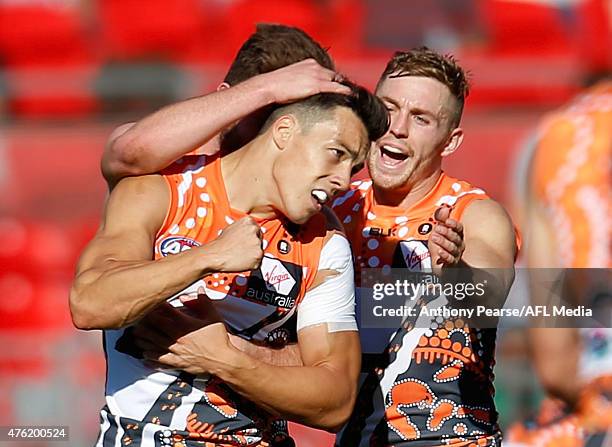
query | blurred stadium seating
(70,70)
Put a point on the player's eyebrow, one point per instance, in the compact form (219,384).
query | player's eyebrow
(413,110)
(390,100)
(421,111)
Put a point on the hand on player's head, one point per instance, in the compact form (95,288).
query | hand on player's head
(301,80)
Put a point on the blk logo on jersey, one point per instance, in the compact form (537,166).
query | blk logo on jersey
(381,232)
(176,244)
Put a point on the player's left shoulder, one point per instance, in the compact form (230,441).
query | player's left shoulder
(487,211)
(319,229)
(488,221)
(487,216)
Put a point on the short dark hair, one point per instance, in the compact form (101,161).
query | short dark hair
(427,63)
(272,47)
(367,106)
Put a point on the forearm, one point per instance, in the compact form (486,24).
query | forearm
(318,396)
(288,355)
(162,137)
(556,352)
(482,286)
(121,292)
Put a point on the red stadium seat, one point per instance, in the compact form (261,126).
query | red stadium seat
(36,249)
(50,60)
(345,28)
(34,303)
(243,15)
(157,30)
(525,27)
(41,35)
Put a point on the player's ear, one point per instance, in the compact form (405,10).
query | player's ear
(454,141)
(223,86)
(283,129)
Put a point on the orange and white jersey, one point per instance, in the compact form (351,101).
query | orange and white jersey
(425,384)
(570,180)
(268,305)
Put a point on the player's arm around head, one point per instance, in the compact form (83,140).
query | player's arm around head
(117,281)
(157,140)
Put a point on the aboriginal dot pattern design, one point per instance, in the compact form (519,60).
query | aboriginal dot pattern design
(431,386)
(160,408)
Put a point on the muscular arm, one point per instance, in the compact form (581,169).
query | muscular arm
(322,392)
(490,240)
(555,351)
(490,244)
(288,355)
(319,394)
(117,281)
(157,140)
(160,138)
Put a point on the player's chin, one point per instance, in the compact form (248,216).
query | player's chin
(303,216)
(386,182)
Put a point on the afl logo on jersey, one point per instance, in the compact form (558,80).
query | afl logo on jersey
(176,244)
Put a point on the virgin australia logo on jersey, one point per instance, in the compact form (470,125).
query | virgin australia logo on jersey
(277,277)
(275,282)
(176,244)
(416,255)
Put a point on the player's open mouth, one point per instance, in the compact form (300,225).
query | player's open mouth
(320,197)
(391,156)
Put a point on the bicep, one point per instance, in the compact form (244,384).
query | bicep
(339,351)
(490,238)
(331,301)
(327,330)
(134,212)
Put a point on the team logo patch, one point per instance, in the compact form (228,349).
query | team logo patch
(278,338)
(176,244)
(425,228)
(283,247)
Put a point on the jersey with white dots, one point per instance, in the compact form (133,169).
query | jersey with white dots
(422,384)
(149,407)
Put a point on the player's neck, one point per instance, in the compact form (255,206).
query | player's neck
(409,195)
(247,177)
